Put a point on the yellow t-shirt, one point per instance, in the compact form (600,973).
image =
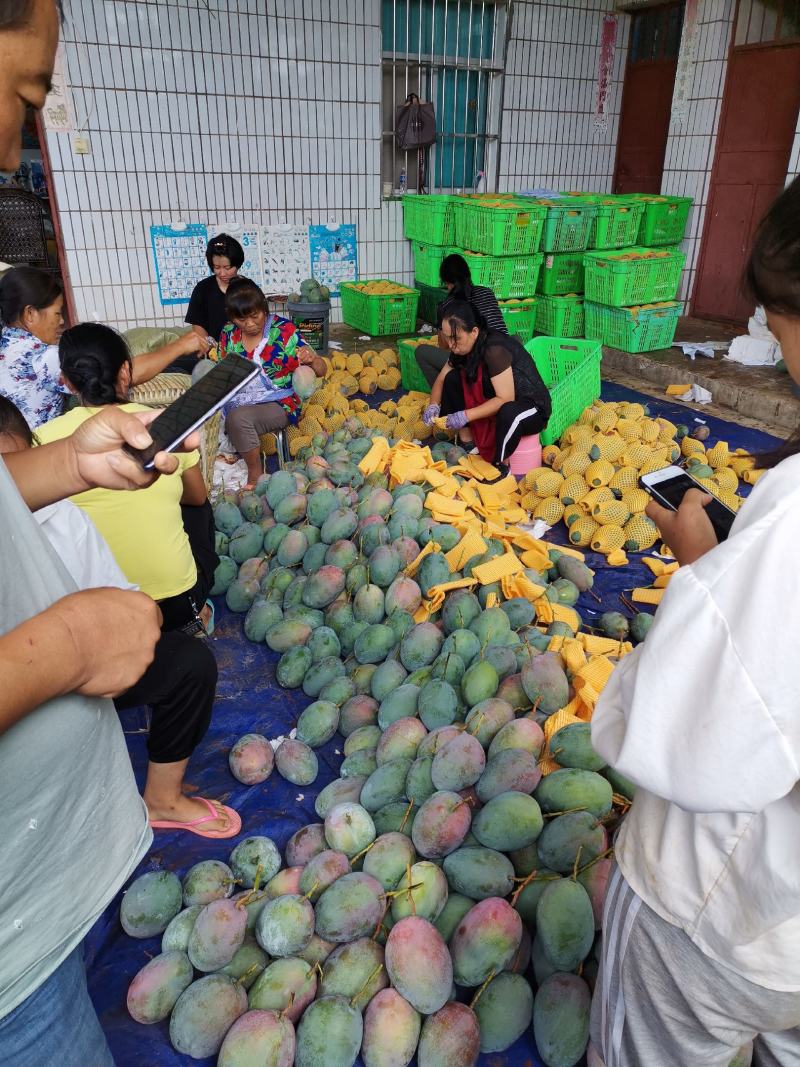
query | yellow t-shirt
(144,529)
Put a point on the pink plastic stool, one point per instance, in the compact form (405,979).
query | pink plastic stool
(527,456)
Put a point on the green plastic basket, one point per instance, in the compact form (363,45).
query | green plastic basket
(571,371)
(502,228)
(562,273)
(663,220)
(429,300)
(625,282)
(427,260)
(429,218)
(616,224)
(520,318)
(379,313)
(568,224)
(560,316)
(507,276)
(411,376)
(636,329)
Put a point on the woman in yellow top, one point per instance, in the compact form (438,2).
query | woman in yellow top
(144,530)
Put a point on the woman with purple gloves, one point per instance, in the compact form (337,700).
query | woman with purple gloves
(489,389)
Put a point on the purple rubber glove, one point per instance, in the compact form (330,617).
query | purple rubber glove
(430,413)
(457,421)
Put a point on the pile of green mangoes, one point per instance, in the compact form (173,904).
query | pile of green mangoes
(449,898)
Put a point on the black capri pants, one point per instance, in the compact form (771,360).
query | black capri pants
(514,420)
(179,686)
(181,610)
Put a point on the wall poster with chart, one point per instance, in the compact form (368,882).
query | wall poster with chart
(284,258)
(334,255)
(179,253)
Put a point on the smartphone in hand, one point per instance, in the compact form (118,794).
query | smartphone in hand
(194,407)
(668,487)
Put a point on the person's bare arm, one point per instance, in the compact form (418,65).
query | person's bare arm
(503,384)
(149,364)
(438,385)
(98,643)
(194,487)
(91,458)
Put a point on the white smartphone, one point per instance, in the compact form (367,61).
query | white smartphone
(195,406)
(669,486)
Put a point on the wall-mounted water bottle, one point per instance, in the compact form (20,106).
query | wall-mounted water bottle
(403,181)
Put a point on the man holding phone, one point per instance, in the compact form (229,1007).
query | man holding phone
(68,798)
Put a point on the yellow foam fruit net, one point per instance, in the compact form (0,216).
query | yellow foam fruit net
(608,538)
(599,473)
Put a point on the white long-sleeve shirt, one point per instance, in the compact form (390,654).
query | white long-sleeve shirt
(705,718)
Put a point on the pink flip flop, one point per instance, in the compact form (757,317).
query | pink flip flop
(194,827)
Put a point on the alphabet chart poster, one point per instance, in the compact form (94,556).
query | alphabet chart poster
(249,237)
(180,259)
(334,255)
(284,258)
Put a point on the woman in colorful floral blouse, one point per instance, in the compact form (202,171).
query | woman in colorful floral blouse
(269,403)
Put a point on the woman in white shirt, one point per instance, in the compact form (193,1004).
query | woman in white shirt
(702,918)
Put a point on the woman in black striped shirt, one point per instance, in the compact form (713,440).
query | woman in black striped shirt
(455,275)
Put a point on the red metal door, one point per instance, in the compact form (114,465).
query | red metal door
(647,99)
(757,127)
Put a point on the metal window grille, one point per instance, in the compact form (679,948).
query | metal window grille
(766,21)
(450,52)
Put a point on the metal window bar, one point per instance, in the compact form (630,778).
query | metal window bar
(440,64)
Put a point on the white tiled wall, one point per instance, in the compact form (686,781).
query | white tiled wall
(692,140)
(269,112)
(217,110)
(212,109)
(548,138)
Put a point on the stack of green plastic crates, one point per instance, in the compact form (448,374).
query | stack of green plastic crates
(520,317)
(630,294)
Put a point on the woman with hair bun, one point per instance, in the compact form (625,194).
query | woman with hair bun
(144,530)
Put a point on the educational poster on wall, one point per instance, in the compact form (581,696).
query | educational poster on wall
(179,253)
(284,258)
(248,234)
(334,255)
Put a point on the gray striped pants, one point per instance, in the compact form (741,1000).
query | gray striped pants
(660,1002)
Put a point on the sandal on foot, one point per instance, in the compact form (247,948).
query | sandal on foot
(209,626)
(196,825)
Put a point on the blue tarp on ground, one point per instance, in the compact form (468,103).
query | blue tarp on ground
(249,700)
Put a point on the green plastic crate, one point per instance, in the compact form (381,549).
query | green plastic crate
(411,376)
(429,218)
(502,228)
(664,219)
(562,273)
(568,224)
(616,224)
(427,260)
(633,329)
(560,316)
(507,276)
(520,318)
(649,276)
(429,300)
(379,313)
(571,371)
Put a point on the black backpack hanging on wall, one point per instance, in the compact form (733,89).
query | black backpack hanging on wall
(415,124)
